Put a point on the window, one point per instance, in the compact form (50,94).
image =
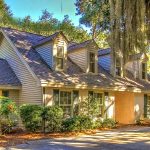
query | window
(75,102)
(60,58)
(92,62)
(144,70)
(65,99)
(118,67)
(147,106)
(5,93)
(99,98)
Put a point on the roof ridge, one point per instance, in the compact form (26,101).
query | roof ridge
(22,31)
(50,35)
(80,42)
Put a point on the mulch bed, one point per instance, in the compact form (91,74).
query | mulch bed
(23,137)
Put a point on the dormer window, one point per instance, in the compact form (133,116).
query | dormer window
(92,62)
(60,58)
(118,67)
(144,70)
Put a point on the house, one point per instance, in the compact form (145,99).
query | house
(35,69)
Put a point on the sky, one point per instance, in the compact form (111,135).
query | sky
(22,8)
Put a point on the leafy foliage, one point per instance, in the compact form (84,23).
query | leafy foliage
(77,123)
(53,116)
(108,123)
(8,114)
(31,117)
(90,107)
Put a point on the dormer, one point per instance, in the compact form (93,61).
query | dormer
(85,55)
(137,65)
(53,50)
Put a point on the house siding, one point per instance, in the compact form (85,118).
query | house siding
(31,92)
(80,58)
(105,62)
(13,94)
(46,52)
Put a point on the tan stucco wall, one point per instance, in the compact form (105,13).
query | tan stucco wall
(139,106)
(124,107)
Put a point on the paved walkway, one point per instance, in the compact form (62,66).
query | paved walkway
(125,139)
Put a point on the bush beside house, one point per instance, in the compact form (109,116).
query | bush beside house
(37,118)
(8,115)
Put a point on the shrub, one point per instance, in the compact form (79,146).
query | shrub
(97,123)
(90,107)
(31,117)
(77,123)
(53,116)
(108,123)
(8,114)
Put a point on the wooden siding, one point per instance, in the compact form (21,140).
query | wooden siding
(133,67)
(46,52)
(31,92)
(80,58)
(105,62)
(60,41)
(14,95)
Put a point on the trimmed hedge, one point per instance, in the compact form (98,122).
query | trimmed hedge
(77,123)
(53,116)
(31,117)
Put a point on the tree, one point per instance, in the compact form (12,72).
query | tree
(128,34)
(94,14)
(5,13)
(46,16)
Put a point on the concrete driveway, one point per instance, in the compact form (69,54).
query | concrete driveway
(123,139)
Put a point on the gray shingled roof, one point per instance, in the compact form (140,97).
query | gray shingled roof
(7,76)
(74,45)
(24,42)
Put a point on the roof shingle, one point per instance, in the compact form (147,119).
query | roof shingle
(74,76)
(7,76)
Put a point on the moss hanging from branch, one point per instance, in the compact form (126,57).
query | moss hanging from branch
(128,34)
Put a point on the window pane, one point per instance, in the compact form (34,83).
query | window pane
(5,93)
(65,98)
(92,57)
(92,62)
(92,67)
(143,66)
(56,97)
(75,102)
(143,75)
(59,64)
(90,94)
(118,71)
(118,63)
(60,52)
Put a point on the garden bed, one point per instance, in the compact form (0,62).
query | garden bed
(21,138)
